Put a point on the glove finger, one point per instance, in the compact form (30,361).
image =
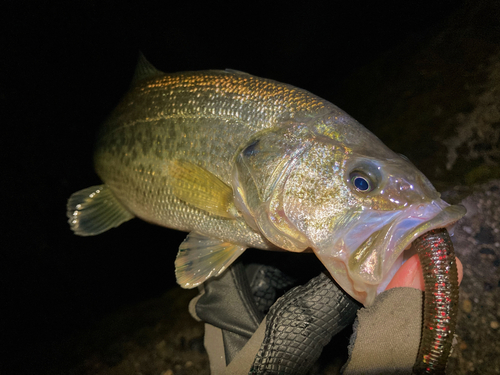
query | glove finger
(227,303)
(267,284)
(300,324)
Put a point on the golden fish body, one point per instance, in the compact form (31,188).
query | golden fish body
(240,161)
(199,117)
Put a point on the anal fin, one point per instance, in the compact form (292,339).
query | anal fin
(201,257)
(95,210)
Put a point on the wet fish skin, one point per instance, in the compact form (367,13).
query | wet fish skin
(240,161)
(201,117)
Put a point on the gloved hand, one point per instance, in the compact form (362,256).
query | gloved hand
(387,334)
(290,338)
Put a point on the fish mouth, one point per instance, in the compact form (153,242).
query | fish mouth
(367,251)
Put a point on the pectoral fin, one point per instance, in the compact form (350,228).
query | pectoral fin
(200,188)
(95,210)
(202,257)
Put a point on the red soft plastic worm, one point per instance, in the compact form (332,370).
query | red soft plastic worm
(437,257)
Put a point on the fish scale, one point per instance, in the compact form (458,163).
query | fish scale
(198,116)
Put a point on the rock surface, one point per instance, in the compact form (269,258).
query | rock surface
(477,243)
(155,337)
(437,100)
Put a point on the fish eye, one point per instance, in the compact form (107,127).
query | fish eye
(362,182)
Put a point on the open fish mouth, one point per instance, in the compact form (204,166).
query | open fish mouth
(368,250)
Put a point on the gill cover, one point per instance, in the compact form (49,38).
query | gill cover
(262,168)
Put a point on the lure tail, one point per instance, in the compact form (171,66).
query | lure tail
(437,258)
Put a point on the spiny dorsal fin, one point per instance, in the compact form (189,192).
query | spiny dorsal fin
(202,189)
(95,210)
(201,257)
(144,69)
(234,71)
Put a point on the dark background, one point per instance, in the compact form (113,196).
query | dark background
(65,65)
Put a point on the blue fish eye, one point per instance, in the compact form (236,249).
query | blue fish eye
(362,182)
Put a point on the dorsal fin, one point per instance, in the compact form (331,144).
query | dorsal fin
(234,71)
(144,69)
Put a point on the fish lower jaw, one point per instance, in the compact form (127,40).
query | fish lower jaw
(369,293)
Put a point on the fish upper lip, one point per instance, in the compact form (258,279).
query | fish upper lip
(443,219)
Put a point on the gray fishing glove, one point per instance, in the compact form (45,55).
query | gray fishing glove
(290,338)
(386,335)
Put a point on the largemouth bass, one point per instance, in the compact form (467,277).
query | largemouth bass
(245,162)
